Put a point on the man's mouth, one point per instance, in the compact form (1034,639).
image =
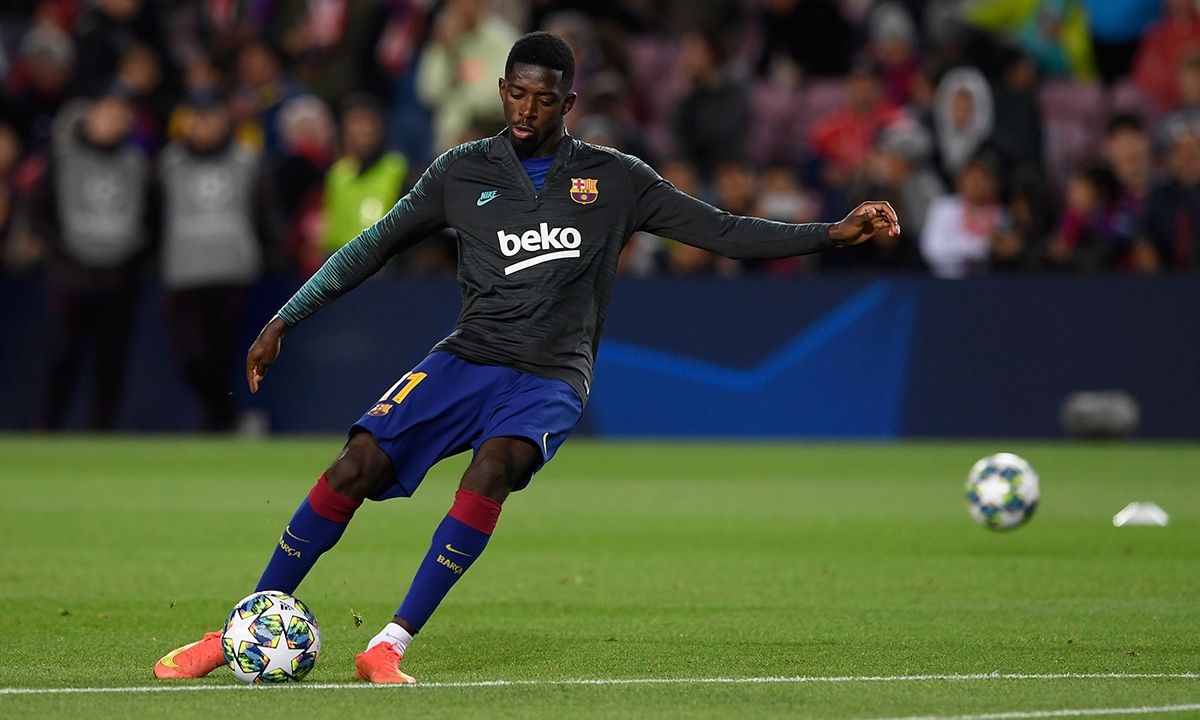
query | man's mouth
(521,133)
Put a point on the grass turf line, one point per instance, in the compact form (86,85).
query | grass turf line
(620,561)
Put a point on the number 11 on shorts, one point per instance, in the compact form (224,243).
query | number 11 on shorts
(406,385)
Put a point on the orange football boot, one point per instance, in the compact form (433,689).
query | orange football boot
(381,664)
(194,660)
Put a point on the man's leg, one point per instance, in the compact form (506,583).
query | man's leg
(500,465)
(114,333)
(70,320)
(360,471)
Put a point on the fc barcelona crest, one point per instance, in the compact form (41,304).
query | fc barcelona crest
(583,190)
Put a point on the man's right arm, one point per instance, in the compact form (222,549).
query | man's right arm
(417,215)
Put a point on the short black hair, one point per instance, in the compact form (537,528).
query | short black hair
(544,50)
(1124,121)
(361,101)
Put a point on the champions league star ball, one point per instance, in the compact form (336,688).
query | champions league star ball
(1002,491)
(271,637)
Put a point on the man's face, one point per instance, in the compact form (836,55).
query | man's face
(976,185)
(534,104)
(1129,151)
(1185,158)
(962,110)
(109,120)
(362,132)
(863,92)
(208,127)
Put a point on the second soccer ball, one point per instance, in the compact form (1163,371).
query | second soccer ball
(1002,491)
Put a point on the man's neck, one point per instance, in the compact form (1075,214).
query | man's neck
(547,148)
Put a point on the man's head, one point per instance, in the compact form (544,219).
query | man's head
(863,88)
(1184,152)
(110,117)
(362,126)
(536,88)
(1188,78)
(1127,147)
(978,181)
(210,125)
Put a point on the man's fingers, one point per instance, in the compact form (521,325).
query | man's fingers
(885,209)
(255,371)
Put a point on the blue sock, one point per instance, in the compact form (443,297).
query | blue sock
(457,542)
(317,526)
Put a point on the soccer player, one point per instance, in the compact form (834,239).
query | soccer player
(541,220)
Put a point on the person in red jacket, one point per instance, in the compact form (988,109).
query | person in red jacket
(1162,48)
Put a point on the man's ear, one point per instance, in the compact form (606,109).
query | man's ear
(501,86)
(569,103)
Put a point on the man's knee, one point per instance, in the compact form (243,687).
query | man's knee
(499,466)
(362,470)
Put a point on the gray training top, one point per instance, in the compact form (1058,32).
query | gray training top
(536,270)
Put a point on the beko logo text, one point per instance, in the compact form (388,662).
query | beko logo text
(564,242)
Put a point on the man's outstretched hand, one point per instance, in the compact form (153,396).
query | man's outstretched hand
(263,352)
(865,221)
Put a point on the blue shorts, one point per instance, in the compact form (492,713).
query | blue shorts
(447,405)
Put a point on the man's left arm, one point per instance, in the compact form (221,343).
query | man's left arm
(664,210)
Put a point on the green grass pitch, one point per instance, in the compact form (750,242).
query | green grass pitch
(622,561)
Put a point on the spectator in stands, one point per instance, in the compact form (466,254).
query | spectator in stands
(1017,135)
(712,119)
(803,39)
(893,44)
(1127,150)
(579,32)
(901,172)
(1188,74)
(216,215)
(106,31)
(367,180)
(93,212)
(330,44)
(842,140)
(307,133)
(140,73)
(202,75)
(610,104)
(37,83)
(1171,235)
(263,86)
(1021,244)
(963,118)
(1091,236)
(1162,48)
(960,230)
(456,75)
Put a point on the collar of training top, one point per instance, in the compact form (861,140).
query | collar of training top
(502,147)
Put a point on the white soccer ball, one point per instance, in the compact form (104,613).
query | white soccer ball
(271,637)
(1002,491)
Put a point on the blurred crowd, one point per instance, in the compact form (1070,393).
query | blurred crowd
(211,141)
